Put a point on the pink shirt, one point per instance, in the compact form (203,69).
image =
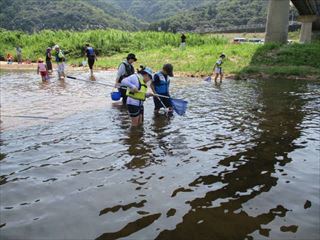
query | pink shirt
(42,67)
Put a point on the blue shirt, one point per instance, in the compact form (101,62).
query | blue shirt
(161,83)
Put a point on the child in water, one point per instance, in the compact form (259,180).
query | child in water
(218,68)
(42,69)
(137,93)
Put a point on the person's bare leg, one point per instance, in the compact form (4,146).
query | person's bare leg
(216,77)
(141,118)
(221,76)
(91,75)
(135,121)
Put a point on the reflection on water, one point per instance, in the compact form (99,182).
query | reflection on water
(242,164)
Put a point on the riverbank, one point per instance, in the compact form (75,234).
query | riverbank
(294,61)
(243,61)
(153,49)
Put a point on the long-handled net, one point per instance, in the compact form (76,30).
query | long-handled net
(179,106)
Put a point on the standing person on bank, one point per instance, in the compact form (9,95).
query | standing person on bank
(19,54)
(92,57)
(137,93)
(160,85)
(125,69)
(218,68)
(183,41)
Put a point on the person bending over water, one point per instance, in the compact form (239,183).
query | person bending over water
(137,94)
(218,68)
(160,85)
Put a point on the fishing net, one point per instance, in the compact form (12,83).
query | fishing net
(208,79)
(179,106)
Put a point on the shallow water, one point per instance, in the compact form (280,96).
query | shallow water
(242,164)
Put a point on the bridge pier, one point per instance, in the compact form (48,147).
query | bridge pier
(306,27)
(277,21)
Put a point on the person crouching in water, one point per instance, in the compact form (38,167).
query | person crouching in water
(218,68)
(60,59)
(92,57)
(137,93)
(125,69)
(160,85)
(42,70)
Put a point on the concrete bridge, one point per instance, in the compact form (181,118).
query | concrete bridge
(278,19)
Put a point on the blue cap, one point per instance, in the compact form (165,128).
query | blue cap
(147,71)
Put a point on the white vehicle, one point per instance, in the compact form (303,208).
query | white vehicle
(238,40)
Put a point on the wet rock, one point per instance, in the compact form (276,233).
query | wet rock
(307,204)
(171,212)
(292,228)
(264,232)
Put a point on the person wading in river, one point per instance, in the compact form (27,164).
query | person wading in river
(125,69)
(137,93)
(42,70)
(48,60)
(60,59)
(92,57)
(217,68)
(160,85)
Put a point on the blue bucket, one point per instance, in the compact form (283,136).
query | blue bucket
(115,96)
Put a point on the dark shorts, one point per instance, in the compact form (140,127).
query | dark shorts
(135,111)
(123,92)
(165,101)
(91,62)
(49,65)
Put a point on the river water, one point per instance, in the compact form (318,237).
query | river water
(242,164)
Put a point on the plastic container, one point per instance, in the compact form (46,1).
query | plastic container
(115,96)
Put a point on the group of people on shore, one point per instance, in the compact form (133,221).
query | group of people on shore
(10,57)
(131,84)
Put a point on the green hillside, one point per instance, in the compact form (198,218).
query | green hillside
(218,14)
(156,10)
(131,15)
(35,15)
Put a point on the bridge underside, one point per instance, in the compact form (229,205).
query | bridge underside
(307,7)
(278,15)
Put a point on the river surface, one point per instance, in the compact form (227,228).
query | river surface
(243,163)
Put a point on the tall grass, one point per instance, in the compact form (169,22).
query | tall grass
(156,48)
(106,42)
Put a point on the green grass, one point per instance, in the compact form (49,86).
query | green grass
(156,48)
(196,60)
(105,42)
(292,60)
